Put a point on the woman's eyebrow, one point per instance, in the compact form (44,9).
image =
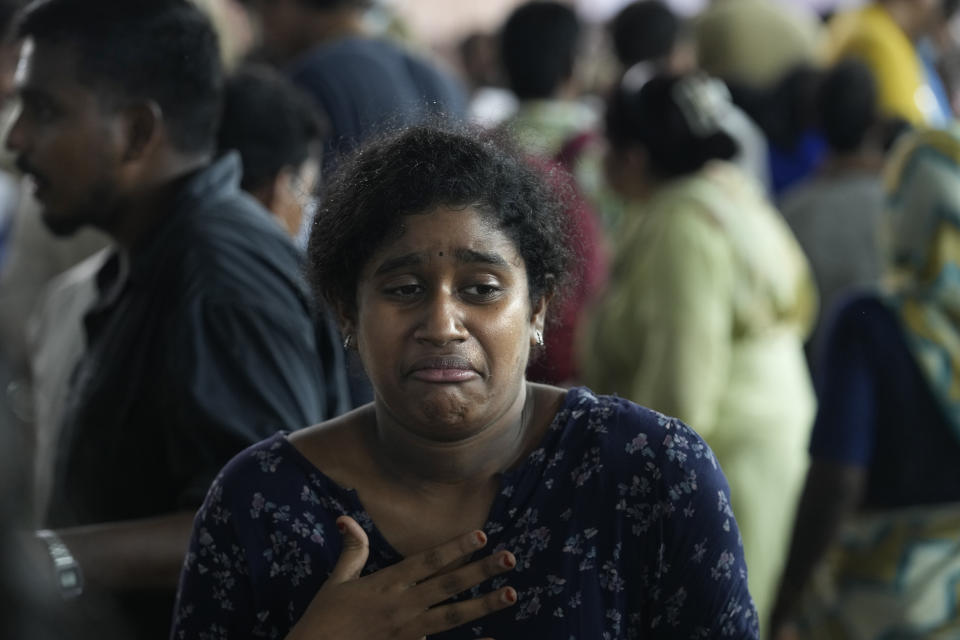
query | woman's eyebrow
(470,256)
(463,256)
(391,264)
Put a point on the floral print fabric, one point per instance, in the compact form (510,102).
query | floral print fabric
(620,522)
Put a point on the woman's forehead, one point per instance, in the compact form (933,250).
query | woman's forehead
(458,233)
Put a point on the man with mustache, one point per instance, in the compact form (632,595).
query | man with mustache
(201,340)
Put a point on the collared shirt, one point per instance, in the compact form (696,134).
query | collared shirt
(202,341)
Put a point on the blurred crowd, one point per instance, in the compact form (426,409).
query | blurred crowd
(765,204)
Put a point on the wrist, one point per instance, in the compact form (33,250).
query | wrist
(67,573)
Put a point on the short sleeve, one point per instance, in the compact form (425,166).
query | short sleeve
(701,591)
(245,373)
(846,388)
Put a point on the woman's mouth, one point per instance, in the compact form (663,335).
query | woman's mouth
(443,369)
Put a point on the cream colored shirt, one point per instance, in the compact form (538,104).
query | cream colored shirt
(709,302)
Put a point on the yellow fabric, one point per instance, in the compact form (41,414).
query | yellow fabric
(871,35)
(893,574)
(923,214)
(708,305)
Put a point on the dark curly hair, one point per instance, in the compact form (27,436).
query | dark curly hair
(416,170)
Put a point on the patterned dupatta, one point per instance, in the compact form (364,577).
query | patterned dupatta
(922,238)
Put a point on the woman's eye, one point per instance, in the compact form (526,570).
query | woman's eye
(482,290)
(405,290)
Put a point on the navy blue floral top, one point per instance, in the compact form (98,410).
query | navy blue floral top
(620,522)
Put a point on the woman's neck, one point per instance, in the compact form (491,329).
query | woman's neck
(421,463)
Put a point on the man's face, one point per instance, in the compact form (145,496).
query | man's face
(66,140)
(280,23)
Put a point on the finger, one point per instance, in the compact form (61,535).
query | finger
(453,615)
(353,556)
(445,586)
(423,565)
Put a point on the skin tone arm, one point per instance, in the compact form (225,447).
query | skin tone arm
(832,492)
(402,601)
(137,554)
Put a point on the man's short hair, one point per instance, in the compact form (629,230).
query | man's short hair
(327,4)
(160,50)
(847,102)
(644,31)
(9,10)
(270,122)
(539,45)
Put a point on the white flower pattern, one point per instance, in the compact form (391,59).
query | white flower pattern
(621,525)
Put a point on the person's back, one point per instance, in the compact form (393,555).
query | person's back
(835,220)
(836,213)
(709,302)
(363,84)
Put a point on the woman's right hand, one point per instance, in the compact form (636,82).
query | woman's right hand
(399,602)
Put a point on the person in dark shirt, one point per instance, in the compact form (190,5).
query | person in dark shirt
(880,514)
(202,339)
(279,134)
(361,83)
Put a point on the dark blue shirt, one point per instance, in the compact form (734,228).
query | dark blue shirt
(620,522)
(201,343)
(878,412)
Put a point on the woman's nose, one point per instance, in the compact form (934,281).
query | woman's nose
(442,320)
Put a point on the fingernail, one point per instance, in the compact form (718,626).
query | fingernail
(342,527)
(479,539)
(507,561)
(509,595)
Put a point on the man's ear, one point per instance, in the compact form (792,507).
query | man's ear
(144,126)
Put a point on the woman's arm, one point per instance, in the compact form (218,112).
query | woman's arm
(841,446)
(832,492)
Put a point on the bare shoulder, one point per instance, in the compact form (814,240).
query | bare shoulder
(336,446)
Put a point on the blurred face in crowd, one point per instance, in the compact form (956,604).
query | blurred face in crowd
(65,140)
(280,23)
(625,171)
(294,195)
(444,324)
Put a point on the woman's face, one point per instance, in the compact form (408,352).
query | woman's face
(444,324)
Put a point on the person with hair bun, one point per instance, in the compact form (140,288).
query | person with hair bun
(709,301)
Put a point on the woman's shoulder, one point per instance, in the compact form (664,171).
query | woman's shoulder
(630,437)
(269,472)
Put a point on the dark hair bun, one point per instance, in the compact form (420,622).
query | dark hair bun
(678,120)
